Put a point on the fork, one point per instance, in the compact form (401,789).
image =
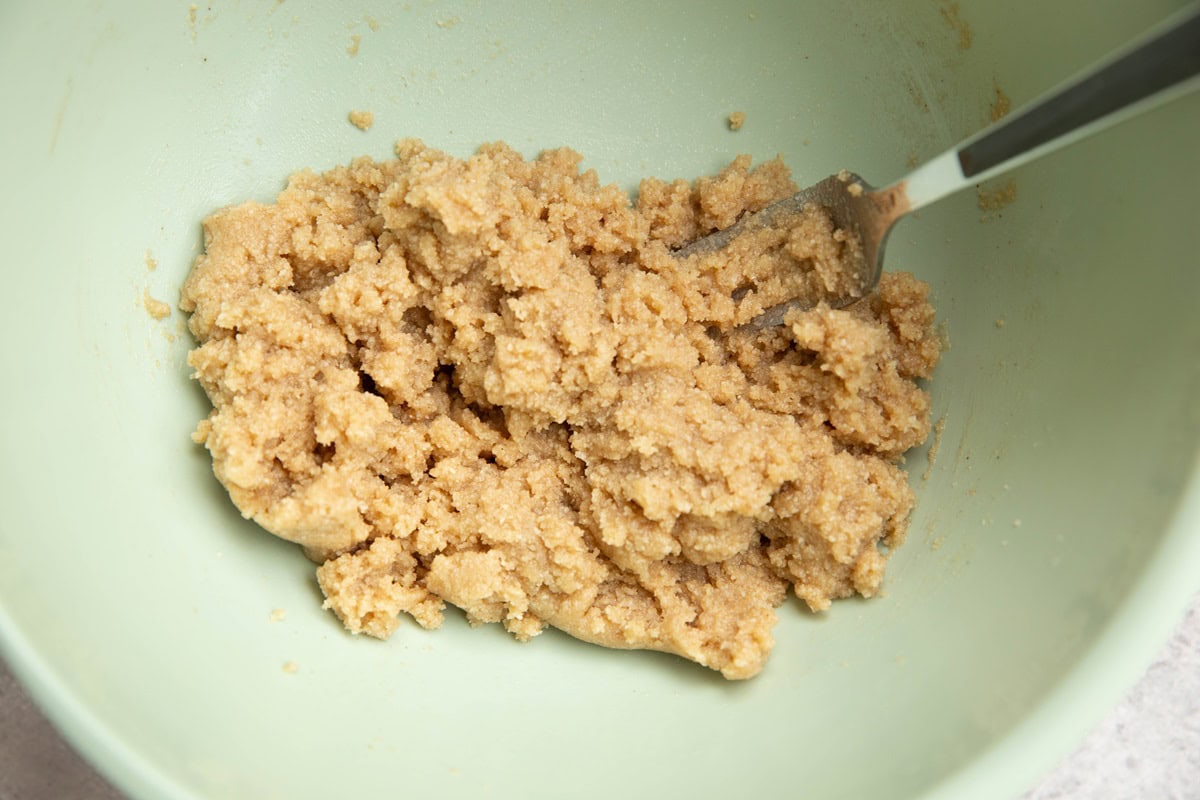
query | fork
(1162,65)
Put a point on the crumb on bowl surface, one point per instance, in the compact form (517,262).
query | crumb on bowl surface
(361,119)
(489,382)
(991,199)
(157,309)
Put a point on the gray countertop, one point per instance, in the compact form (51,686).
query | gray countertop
(1147,747)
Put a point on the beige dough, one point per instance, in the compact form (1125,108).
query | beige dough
(488,382)
(157,309)
(362,120)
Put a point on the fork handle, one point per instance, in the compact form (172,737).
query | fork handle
(1163,64)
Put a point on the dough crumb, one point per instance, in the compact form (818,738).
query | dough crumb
(151,263)
(489,382)
(448,23)
(993,200)
(1000,323)
(362,119)
(372,23)
(736,120)
(291,667)
(853,187)
(355,44)
(155,308)
(278,615)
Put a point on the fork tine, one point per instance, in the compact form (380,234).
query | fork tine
(853,205)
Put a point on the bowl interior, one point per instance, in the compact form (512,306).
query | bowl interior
(136,601)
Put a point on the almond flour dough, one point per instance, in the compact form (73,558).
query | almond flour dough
(487,382)
(363,120)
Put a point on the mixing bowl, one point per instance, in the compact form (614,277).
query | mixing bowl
(1055,536)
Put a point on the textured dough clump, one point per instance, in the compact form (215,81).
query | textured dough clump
(488,382)
(362,120)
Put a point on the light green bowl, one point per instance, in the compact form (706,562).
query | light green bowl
(1056,534)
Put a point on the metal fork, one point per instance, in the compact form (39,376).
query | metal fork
(1162,65)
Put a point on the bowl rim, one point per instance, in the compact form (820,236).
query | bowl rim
(86,731)
(1117,658)
(1107,669)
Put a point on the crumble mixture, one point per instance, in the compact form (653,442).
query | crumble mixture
(362,120)
(157,309)
(488,382)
